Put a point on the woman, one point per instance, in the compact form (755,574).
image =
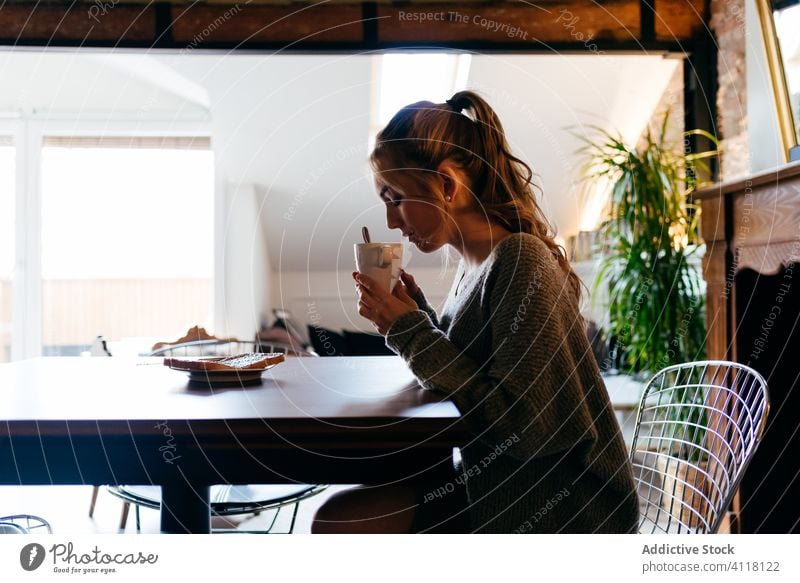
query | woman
(509,348)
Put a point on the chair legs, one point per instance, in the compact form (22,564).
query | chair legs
(126,509)
(294,518)
(95,490)
(123,520)
(291,502)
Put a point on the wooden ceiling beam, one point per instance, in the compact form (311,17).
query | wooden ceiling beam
(571,25)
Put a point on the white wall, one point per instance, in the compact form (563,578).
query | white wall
(244,269)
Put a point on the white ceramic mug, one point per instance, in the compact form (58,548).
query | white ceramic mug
(380,261)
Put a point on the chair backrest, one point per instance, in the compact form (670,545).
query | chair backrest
(214,347)
(198,342)
(289,349)
(24,524)
(227,347)
(697,428)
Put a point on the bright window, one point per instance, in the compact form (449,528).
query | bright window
(7,187)
(127,239)
(406,78)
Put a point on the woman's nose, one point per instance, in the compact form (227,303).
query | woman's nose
(392,218)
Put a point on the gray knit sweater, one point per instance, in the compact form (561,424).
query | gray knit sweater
(545,452)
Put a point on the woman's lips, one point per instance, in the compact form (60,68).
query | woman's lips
(412,238)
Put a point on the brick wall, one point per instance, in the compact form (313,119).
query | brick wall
(728,25)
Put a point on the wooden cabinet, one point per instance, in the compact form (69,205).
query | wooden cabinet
(752,269)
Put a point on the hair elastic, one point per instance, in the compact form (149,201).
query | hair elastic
(452,103)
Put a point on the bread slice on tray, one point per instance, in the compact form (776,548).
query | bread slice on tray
(240,362)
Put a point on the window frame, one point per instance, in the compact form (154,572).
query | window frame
(25,185)
(28,135)
(780,89)
(14,128)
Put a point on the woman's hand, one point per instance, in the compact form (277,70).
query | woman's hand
(411,286)
(379,306)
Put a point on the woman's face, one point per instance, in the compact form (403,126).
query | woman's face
(418,218)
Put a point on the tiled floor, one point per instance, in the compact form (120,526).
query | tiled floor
(66,508)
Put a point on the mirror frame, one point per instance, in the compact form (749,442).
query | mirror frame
(780,89)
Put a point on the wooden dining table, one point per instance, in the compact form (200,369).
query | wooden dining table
(132,421)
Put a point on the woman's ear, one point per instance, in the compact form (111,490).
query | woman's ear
(449,177)
(449,187)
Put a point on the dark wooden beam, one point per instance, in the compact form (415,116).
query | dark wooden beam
(200,24)
(565,25)
(679,20)
(647,10)
(370,16)
(560,22)
(163,16)
(65,24)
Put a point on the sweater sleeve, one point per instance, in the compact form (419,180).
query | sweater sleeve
(422,303)
(528,387)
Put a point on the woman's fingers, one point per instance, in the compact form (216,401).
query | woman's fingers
(380,307)
(368,310)
(362,281)
(409,280)
(401,293)
(367,287)
(363,284)
(365,298)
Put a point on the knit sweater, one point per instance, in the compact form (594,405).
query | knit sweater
(545,452)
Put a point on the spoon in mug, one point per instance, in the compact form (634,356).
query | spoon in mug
(365,234)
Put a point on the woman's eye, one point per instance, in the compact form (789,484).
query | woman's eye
(390,197)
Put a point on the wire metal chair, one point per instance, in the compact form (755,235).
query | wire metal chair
(697,428)
(226,500)
(24,524)
(228,347)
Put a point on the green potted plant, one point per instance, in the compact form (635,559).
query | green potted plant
(656,297)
